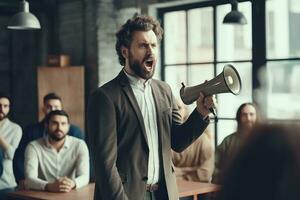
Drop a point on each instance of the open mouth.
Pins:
(149, 62)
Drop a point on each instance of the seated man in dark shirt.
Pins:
(32, 132)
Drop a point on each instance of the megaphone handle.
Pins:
(212, 110)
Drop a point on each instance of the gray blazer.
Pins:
(118, 140)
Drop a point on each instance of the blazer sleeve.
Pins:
(185, 134)
(102, 134)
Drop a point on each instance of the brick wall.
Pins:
(109, 20)
(83, 29)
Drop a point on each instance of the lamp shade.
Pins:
(24, 20)
(234, 16)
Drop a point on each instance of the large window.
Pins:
(196, 47)
(283, 59)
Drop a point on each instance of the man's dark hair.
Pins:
(5, 95)
(56, 112)
(51, 96)
(137, 23)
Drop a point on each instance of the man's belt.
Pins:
(152, 187)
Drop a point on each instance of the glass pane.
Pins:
(229, 103)
(200, 35)
(225, 128)
(234, 41)
(197, 74)
(174, 76)
(283, 36)
(283, 91)
(175, 37)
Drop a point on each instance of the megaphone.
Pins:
(228, 81)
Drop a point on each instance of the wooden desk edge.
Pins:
(37, 194)
(196, 188)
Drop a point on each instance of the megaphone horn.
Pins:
(228, 81)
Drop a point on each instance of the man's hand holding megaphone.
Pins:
(205, 104)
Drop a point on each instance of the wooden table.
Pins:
(85, 193)
(186, 188)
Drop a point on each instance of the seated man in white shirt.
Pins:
(56, 162)
(10, 136)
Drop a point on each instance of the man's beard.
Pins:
(246, 126)
(2, 116)
(139, 69)
(56, 138)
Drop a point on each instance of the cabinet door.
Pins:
(68, 83)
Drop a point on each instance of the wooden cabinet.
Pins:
(68, 83)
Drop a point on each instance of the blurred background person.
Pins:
(10, 136)
(246, 118)
(195, 163)
(267, 166)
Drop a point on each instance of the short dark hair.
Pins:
(56, 112)
(137, 23)
(51, 96)
(5, 95)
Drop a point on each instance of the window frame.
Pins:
(186, 8)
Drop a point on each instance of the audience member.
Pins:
(196, 163)
(246, 118)
(56, 162)
(267, 166)
(32, 132)
(10, 136)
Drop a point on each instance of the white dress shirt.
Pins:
(43, 164)
(143, 94)
(12, 133)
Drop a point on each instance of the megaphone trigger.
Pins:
(212, 110)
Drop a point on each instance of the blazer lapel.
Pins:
(129, 93)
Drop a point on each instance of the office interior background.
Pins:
(195, 48)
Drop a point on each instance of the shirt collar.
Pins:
(66, 143)
(137, 81)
